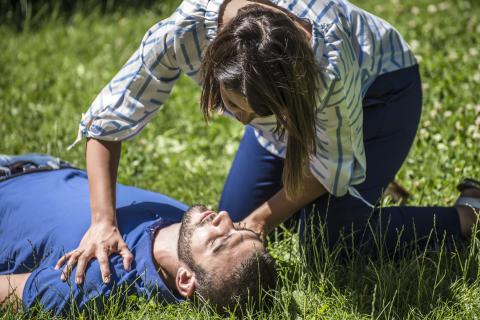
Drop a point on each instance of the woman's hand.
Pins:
(255, 224)
(279, 207)
(100, 241)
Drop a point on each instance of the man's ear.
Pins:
(186, 281)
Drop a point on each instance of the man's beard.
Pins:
(185, 236)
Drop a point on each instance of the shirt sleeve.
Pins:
(124, 106)
(340, 159)
(45, 288)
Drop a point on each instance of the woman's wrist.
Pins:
(256, 225)
(279, 208)
(104, 218)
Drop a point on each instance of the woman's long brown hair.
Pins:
(264, 56)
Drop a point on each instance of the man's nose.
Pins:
(220, 219)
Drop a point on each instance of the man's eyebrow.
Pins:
(222, 245)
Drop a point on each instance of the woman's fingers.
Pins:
(99, 242)
(62, 260)
(102, 257)
(81, 267)
(127, 257)
(81, 260)
(72, 260)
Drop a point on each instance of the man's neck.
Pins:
(165, 255)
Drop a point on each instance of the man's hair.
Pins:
(249, 286)
(262, 55)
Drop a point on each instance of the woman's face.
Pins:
(237, 105)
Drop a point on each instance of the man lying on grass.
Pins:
(178, 253)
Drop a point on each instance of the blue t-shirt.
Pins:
(43, 215)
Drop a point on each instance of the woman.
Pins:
(336, 84)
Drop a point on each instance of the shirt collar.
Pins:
(154, 283)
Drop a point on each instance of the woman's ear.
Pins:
(186, 281)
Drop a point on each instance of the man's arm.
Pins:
(11, 288)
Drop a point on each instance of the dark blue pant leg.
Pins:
(392, 109)
(255, 176)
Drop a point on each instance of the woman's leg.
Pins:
(255, 176)
(392, 109)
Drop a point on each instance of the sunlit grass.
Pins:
(50, 74)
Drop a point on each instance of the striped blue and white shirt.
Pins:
(352, 46)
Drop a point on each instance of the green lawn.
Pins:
(50, 74)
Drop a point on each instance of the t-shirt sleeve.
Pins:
(126, 104)
(44, 287)
(340, 158)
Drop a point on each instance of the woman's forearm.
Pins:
(279, 207)
(103, 238)
(102, 165)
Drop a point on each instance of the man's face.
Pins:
(211, 241)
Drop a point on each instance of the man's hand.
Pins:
(100, 241)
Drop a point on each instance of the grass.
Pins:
(51, 73)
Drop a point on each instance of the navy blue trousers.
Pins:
(391, 111)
